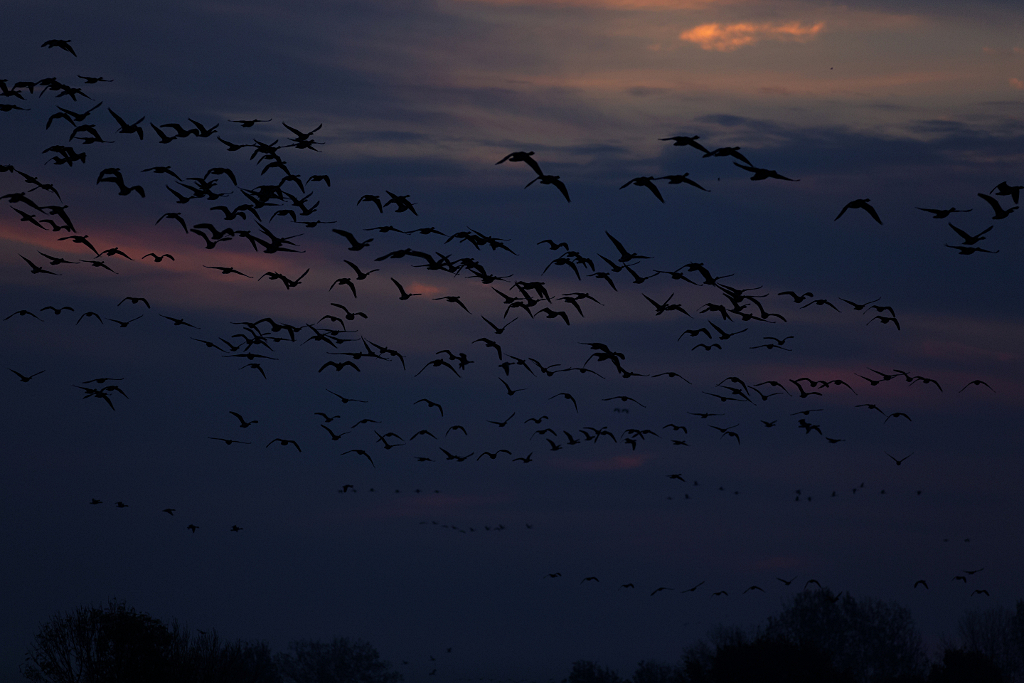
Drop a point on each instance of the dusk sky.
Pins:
(908, 469)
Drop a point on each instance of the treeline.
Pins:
(117, 644)
(821, 637)
(818, 637)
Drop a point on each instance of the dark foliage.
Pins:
(868, 640)
(339, 661)
(959, 666)
(588, 672)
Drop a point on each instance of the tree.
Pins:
(116, 644)
(995, 633)
(654, 672)
(868, 639)
(339, 661)
(584, 671)
(113, 644)
(960, 666)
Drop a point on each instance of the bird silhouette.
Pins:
(861, 204)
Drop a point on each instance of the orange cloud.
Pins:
(616, 4)
(1017, 83)
(733, 36)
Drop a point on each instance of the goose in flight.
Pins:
(728, 152)
(648, 182)
(942, 213)
(686, 141)
(551, 180)
(402, 295)
(525, 157)
(1005, 190)
(62, 44)
(763, 173)
(860, 204)
(679, 179)
(998, 211)
(26, 378)
(968, 238)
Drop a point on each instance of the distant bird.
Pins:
(686, 141)
(861, 204)
(943, 213)
(569, 397)
(402, 295)
(26, 378)
(1005, 190)
(684, 178)
(728, 152)
(525, 157)
(648, 182)
(977, 382)
(37, 270)
(551, 180)
(763, 173)
(243, 423)
(62, 44)
(372, 198)
(998, 211)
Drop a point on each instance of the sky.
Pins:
(916, 108)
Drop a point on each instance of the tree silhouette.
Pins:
(117, 644)
(113, 643)
(998, 635)
(959, 666)
(867, 639)
(655, 672)
(339, 661)
(766, 659)
(584, 671)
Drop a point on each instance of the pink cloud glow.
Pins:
(733, 36)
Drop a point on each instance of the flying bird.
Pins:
(861, 204)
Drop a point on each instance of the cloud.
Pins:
(1017, 83)
(732, 36)
(615, 4)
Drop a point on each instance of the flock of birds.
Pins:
(554, 397)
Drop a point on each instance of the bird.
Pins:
(568, 397)
(525, 157)
(26, 378)
(763, 173)
(861, 204)
(648, 182)
(61, 44)
(727, 152)
(684, 178)
(898, 461)
(509, 390)
(999, 213)
(1004, 189)
(686, 141)
(37, 270)
(402, 295)
(976, 383)
(551, 180)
